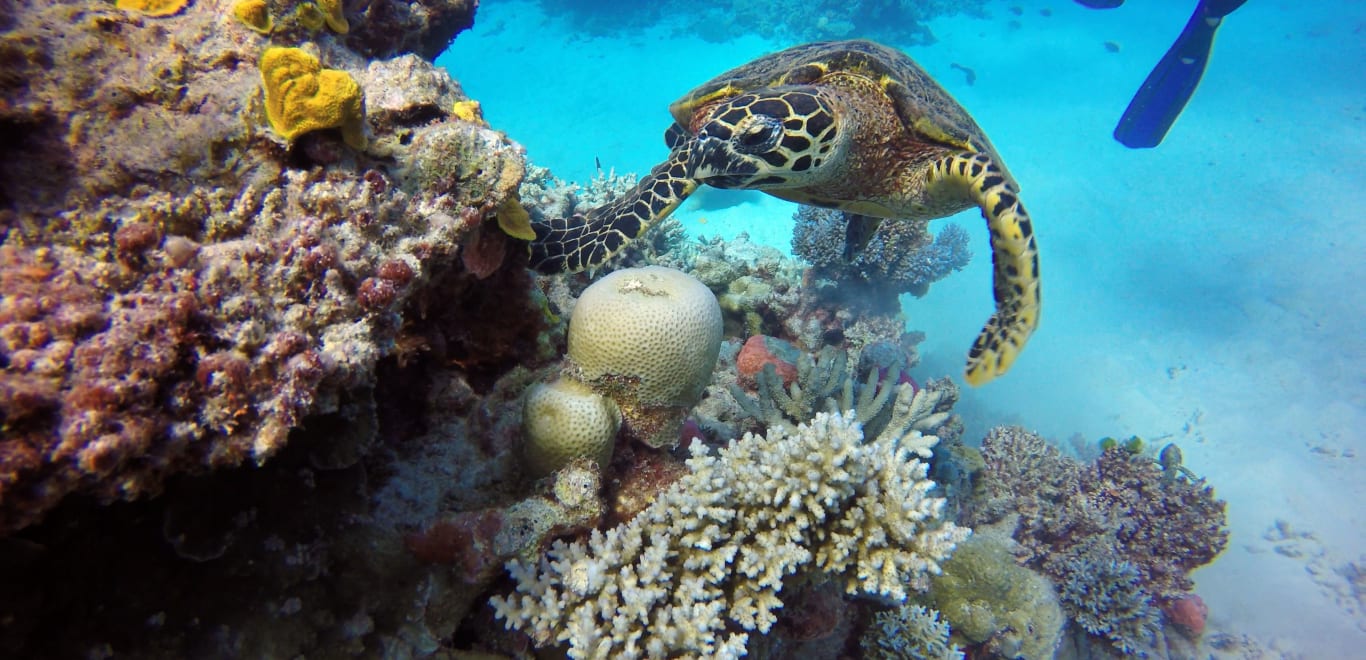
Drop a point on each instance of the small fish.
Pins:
(597, 163)
(967, 73)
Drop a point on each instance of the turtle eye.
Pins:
(758, 134)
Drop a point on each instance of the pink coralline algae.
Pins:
(760, 350)
(1188, 612)
(182, 288)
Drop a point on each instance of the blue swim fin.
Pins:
(1164, 94)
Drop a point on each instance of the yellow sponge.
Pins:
(153, 7)
(301, 96)
(565, 420)
(332, 13)
(255, 14)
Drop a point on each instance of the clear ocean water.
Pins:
(1210, 292)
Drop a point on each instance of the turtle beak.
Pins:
(702, 158)
(713, 162)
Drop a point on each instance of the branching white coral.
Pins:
(716, 547)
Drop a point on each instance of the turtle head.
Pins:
(780, 138)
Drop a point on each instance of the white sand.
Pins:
(1208, 292)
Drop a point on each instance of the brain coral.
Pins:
(565, 420)
(649, 338)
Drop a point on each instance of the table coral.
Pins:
(301, 96)
(707, 560)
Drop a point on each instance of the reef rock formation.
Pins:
(193, 259)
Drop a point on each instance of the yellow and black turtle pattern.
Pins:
(586, 240)
(849, 125)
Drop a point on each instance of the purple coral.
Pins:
(901, 253)
(1164, 527)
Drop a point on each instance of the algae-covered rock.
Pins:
(989, 599)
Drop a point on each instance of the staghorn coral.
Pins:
(713, 551)
(825, 384)
(910, 632)
(900, 255)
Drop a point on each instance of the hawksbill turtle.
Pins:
(849, 125)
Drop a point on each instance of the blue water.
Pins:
(1210, 292)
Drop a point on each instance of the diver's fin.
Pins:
(1164, 94)
(587, 240)
(1014, 260)
(858, 230)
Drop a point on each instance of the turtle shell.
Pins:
(928, 112)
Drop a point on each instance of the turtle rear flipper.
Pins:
(1014, 260)
(583, 241)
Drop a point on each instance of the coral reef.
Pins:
(647, 338)
(1104, 597)
(1120, 536)
(301, 96)
(478, 542)
(994, 604)
(825, 383)
(714, 550)
(910, 632)
(180, 291)
(900, 255)
(565, 420)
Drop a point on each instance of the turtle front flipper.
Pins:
(1014, 260)
(583, 241)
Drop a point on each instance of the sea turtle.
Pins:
(850, 125)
